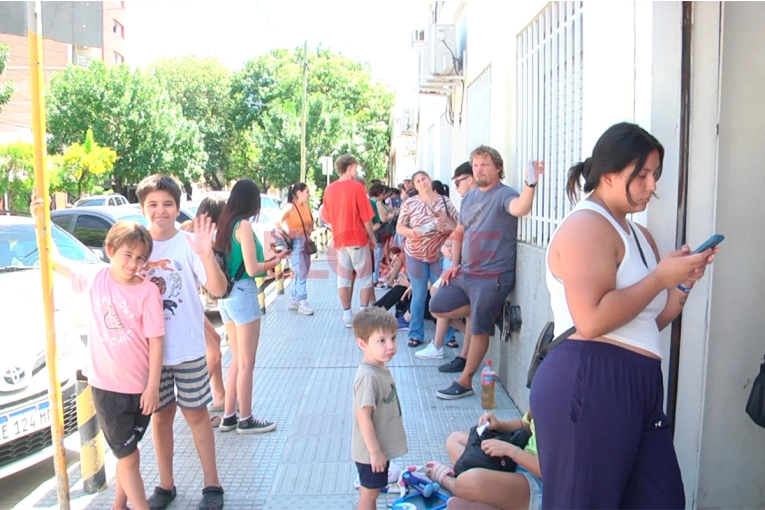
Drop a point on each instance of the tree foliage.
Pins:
(82, 167)
(6, 89)
(129, 111)
(201, 87)
(17, 174)
(348, 112)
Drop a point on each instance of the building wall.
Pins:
(736, 322)
(16, 116)
(114, 37)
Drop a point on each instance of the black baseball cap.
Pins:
(464, 169)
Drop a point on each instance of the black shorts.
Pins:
(120, 417)
(371, 480)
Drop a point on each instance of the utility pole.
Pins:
(42, 222)
(305, 108)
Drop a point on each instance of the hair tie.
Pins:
(586, 167)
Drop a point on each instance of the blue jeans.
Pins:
(420, 273)
(298, 289)
(378, 259)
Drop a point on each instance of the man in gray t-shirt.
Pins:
(483, 258)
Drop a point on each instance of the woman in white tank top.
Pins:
(604, 440)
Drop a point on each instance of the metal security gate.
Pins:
(549, 119)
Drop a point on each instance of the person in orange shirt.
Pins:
(347, 209)
(297, 221)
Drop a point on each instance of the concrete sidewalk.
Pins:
(304, 381)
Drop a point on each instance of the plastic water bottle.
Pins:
(488, 377)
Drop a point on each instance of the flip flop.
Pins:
(453, 344)
(161, 498)
(215, 420)
(437, 471)
(414, 342)
(212, 498)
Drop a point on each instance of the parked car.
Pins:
(102, 200)
(25, 436)
(91, 224)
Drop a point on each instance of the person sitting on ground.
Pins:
(378, 427)
(212, 206)
(480, 488)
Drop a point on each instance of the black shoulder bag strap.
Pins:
(552, 345)
(637, 240)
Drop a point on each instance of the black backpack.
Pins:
(220, 258)
(545, 344)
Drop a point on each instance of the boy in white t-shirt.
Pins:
(178, 264)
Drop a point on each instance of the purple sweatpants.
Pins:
(602, 435)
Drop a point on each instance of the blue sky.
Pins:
(375, 32)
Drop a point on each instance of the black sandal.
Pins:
(212, 498)
(453, 344)
(414, 342)
(161, 498)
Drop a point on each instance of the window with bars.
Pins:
(479, 111)
(549, 111)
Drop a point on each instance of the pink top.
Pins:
(121, 320)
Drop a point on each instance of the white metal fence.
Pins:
(549, 113)
(479, 111)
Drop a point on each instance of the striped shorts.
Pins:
(187, 382)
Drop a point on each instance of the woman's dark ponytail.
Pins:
(293, 191)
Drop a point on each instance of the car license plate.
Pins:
(24, 421)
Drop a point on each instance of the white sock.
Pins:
(245, 418)
(347, 313)
(227, 416)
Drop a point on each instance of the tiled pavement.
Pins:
(304, 381)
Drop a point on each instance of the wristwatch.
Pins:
(530, 185)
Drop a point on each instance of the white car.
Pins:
(101, 200)
(25, 436)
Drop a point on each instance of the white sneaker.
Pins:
(304, 308)
(430, 352)
(348, 321)
(294, 304)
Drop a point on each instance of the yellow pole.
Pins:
(279, 272)
(261, 283)
(36, 76)
(91, 438)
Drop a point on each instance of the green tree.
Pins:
(129, 111)
(347, 112)
(201, 86)
(17, 174)
(82, 167)
(6, 89)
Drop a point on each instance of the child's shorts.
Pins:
(121, 419)
(187, 383)
(371, 480)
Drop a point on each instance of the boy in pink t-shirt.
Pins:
(125, 335)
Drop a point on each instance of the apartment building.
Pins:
(106, 27)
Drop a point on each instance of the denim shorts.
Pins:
(241, 306)
(535, 488)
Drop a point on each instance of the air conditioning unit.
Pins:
(439, 56)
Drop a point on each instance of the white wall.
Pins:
(732, 462)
